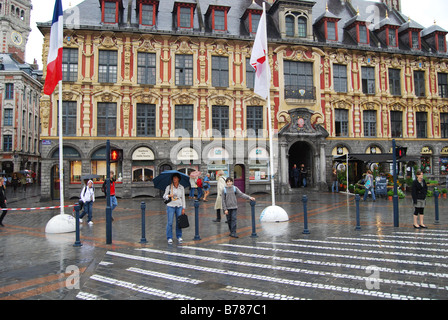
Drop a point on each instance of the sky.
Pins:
(43, 12)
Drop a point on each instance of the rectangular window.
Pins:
(146, 68)
(69, 118)
(8, 117)
(184, 118)
(7, 143)
(396, 124)
(70, 64)
(340, 78)
(444, 125)
(415, 40)
(422, 124)
(441, 43)
(443, 85)
(254, 121)
(185, 17)
(184, 69)
(255, 20)
(107, 66)
(9, 91)
(363, 34)
(299, 80)
(220, 72)
(331, 30)
(219, 19)
(250, 74)
(146, 120)
(341, 122)
(220, 119)
(107, 119)
(368, 80)
(392, 38)
(419, 83)
(147, 14)
(110, 12)
(395, 82)
(369, 119)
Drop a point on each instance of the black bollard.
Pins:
(254, 231)
(436, 203)
(358, 222)
(305, 215)
(143, 207)
(77, 241)
(196, 220)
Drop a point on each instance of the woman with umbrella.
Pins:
(174, 197)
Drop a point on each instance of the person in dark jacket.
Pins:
(419, 190)
(2, 199)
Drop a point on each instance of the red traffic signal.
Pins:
(116, 155)
(400, 152)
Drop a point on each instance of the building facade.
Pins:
(170, 83)
(20, 92)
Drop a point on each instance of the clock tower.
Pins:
(15, 26)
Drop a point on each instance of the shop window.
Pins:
(98, 166)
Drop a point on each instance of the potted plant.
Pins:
(444, 192)
(390, 194)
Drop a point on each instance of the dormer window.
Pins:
(147, 12)
(363, 34)
(217, 17)
(331, 31)
(441, 43)
(327, 25)
(296, 25)
(392, 37)
(415, 39)
(183, 15)
(110, 10)
(254, 20)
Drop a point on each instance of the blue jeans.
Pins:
(367, 192)
(87, 210)
(171, 212)
(113, 202)
(199, 193)
(335, 184)
(192, 192)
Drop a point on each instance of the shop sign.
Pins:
(143, 153)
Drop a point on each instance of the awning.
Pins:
(373, 158)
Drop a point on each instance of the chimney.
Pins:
(393, 4)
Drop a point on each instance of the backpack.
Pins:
(368, 184)
(103, 187)
(199, 183)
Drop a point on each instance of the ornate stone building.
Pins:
(170, 83)
(20, 90)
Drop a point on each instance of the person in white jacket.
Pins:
(88, 197)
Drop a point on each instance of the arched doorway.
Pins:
(55, 189)
(239, 177)
(301, 153)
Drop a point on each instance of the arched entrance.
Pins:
(301, 153)
(55, 190)
(239, 177)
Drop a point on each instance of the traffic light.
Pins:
(400, 152)
(116, 155)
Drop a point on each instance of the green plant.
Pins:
(390, 193)
(444, 190)
(429, 194)
(401, 194)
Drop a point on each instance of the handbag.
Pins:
(182, 221)
(81, 204)
(169, 199)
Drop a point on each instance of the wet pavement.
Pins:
(279, 262)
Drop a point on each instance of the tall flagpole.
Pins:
(61, 152)
(268, 103)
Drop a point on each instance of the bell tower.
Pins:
(15, 26)
(393, 4)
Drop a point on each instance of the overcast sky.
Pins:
(43, 11)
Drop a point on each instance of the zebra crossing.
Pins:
(397, 265)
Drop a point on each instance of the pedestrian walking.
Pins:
(368, 184)
(3, 200)
(199, 185)
(303, 173)
(295, 176)
(15, 182)
(219, 188)
(88, 198)
(174, 197)
(113, 198)
(419, 191)
(206, 186)
(193, 186)
(229, 204)
(23, 183)
(334, 181)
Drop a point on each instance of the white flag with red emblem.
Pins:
(260, 61)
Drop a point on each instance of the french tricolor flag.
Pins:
(54, 61)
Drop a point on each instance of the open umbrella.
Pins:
(195, 174)
(164, 179)
(90, 176)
